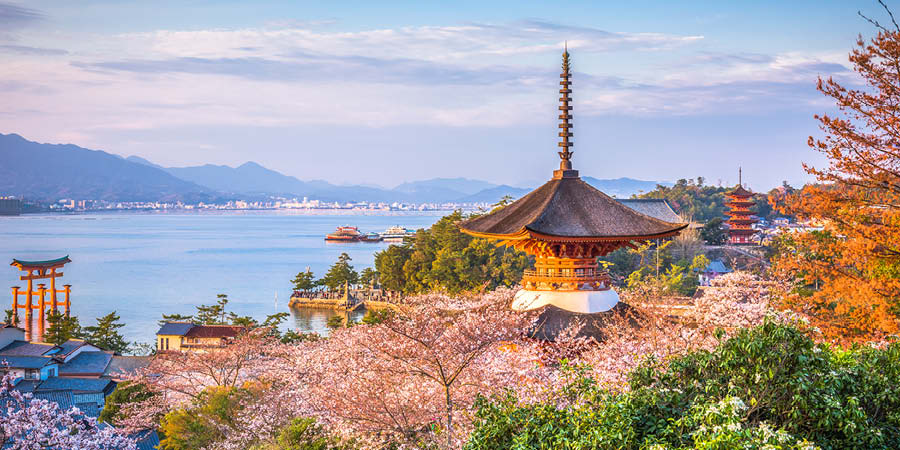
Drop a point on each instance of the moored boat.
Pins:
(344, 234)
(397, 234)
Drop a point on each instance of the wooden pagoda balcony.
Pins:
(576, 277)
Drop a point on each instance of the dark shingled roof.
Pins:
(174, 329)
(740, 192)
(214, 331)
(47, 263)
(569, 207)
(126, 365)
(23, 348)
(654, 207)
(89, 409)
(71, 345)
(86, 363)
(25, 362)
(76, 384)
(65, 399)
(553, 320)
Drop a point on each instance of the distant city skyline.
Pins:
(383, 92)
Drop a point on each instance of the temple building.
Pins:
(740, 215)
(567, 224)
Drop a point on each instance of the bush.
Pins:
(765, 387)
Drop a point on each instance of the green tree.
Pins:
(340, 273)
(304, 281)
(106, 334)
(445, 259)
(335, 322)
(204, 421)
(713, 233)
(61, 328)
(368, 277)
(175, 318)
(126, 392)
(303, 433)
(212, 314)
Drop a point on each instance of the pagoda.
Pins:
(567, 224)
(740, 216)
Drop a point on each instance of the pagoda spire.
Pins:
(740, 182)
(565, 127)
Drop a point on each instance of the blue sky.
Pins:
(386, 92)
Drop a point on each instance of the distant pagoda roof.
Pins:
(566, 209)
(22, 265)
(739, 191)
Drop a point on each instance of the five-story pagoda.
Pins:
(740, 217)
(567, 224)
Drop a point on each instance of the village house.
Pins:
(714, 269)
(188, 336)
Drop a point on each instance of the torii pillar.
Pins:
(39, 270)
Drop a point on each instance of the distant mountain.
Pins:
(443, 189)
(494, 194)
(139, 160)
(248, 178)
(52, 171)
(623, 187)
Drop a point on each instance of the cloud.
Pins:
(25, 50)
(14, 16)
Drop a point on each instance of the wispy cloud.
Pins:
(14, 16)
(26, 50)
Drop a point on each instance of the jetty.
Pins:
(345, 299)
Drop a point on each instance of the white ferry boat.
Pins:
(397, 234)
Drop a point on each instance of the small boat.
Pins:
(344, 234)
(371, 237)
(397, 234)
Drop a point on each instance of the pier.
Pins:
(345, 300)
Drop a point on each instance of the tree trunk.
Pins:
(449, 418)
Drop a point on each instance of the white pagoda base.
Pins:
(576, 301)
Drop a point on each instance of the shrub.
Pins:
(765, 387)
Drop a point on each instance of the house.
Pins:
(712, 270)
(41, 360)
(188, 336)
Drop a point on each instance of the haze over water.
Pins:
(145, 264)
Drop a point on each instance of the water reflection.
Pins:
(315, 319)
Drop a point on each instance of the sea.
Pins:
(145, 264)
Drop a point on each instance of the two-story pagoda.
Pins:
(567, 224)
(740, 215)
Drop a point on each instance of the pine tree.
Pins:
(341, 272)
(166, 318)
(61, 328)
(106, 334)
(304, 281)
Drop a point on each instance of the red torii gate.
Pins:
(39, 270)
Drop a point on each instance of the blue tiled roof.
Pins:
(25, 362)
(89, 409)
(27, 385)
(146, 440)
(76, 384)
(175, 329)
(22, 348)
(86, 363)
(717, 266)
(125, 365)
(64, 399)
(71, 345)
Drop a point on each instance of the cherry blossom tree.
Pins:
(27, 423)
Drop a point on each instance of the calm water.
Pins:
(145, 264)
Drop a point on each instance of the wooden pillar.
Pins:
(68, 288)
(28, 307)
(53, 288)
(15, 305)
(42, 320)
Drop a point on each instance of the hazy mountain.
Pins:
(139, 160)
(494, 194)
(623, 187)
(53, 171)
(248, 178)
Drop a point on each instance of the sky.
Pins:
(363, 92)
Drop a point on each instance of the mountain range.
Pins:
(50, 172)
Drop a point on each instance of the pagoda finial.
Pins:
(565, 126)
(740, 182)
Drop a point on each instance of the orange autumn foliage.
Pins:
(852, 269)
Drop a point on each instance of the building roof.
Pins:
(716, 266)
(26, 362)
(567, 207)
(40, 264)
(89, 409)
(27, 385)
(76, 384)
(24, 348)
(64, 399)
(71, 345)
(86, 363)
(174, 329)
(214, 331)
(658, 208)
(739, 191)
(125, 365)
